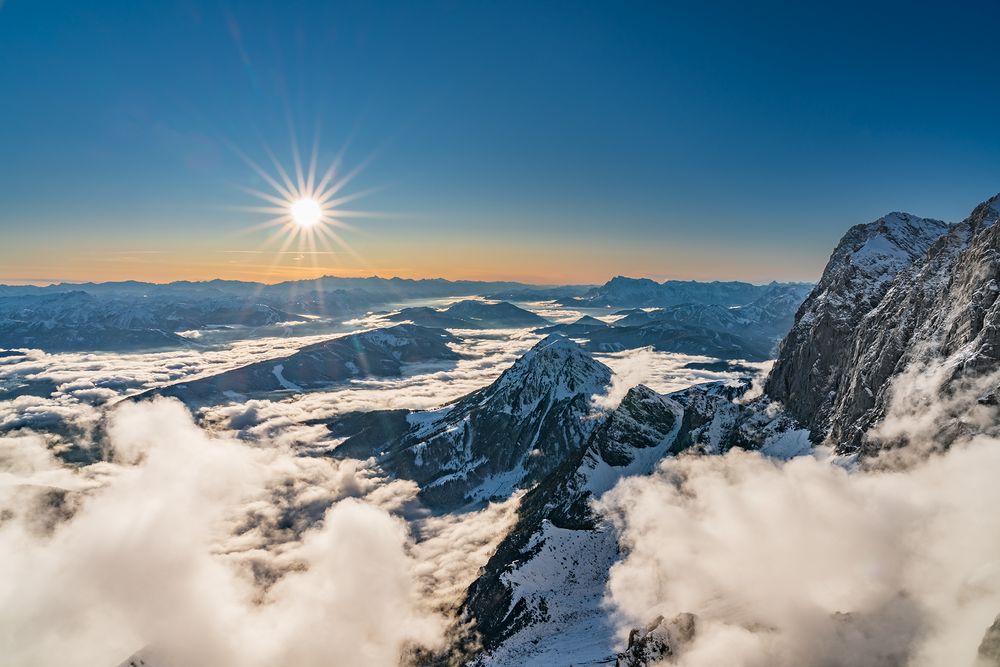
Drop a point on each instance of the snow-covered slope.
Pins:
(547, 577)
(500, 438)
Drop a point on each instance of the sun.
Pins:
(306, 207)
(305, 212)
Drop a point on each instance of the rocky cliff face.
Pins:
(659, 642)
(899, 292)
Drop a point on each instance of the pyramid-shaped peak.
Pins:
(591, 321)
(556, 366)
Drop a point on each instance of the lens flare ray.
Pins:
(304, 204)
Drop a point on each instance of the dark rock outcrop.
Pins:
(897, 293)
(659, 642)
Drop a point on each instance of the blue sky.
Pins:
(556, 142)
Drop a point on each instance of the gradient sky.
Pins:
(545, 142)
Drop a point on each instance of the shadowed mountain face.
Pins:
(622, 292)
(899, 293)
(472, 314)
(500, 438)
(375, 353)
(749, 331)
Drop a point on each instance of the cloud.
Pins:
(67, 389)
(33, 412)
(930, 405)
(661, 371)
(552, 310)
(140, 370)
(453, 547)
(204, 549)
(803, 562)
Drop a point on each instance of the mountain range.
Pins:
(126, 316)
(748, 331)
(899, 295)
(135, 316)
(623, 292)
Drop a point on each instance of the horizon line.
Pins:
(46, 282)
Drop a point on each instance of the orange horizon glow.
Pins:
(484, 262)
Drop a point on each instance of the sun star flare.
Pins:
(306, 207)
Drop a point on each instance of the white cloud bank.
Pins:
(806, 563)
(165, 545)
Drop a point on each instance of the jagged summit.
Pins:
(989, 209)
(855, 280)
(882, 248)
(506, 436)
(898, 291)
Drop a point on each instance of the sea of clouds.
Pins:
(222, 536)
(201, 542)
(201, 549)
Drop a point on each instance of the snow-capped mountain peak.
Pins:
(881, 249)
(506, 436)
(555, 367)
